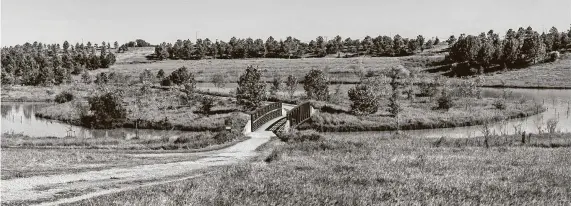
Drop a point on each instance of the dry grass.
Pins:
(339, 68)
(135, 55)
(19, 163)
(187, 141)
(420, 114)
(161, 110)
(547, 75)
(346, 169)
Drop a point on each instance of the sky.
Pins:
(54, 21)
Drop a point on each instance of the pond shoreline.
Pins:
(525, 87)
(409, 127)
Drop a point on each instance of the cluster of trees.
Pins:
(41, 64)
(476, 54)
(291, 47)
(136, 43)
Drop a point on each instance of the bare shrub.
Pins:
(487, 133)
(552, 125)
(500, 104)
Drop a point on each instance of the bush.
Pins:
(364, 100)
(300, 136)
(108, 111)
(251, 89)
(182, 76)
(428, 89)
(64, 97)
(161, 74)
(445, 101)
(553, 56)
(499, 104)
(166, 82)
(315, 85)
(225, 136)
(101, 78)
(206, 104)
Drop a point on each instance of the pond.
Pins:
(557, 103)
(19, 118)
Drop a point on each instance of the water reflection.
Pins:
(557, 103)
(19, 118)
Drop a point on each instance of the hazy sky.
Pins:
(53, 21)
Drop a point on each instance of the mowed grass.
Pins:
(341, 69)
(135, 55)
(19, 163)
(348, 169)
(547, 75)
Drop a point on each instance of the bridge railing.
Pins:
(299, 114)
(265, 114)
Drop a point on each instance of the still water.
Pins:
(557, 103)
(19, 118)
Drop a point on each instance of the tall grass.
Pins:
(346, 169)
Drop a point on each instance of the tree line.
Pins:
(487, 51)
(237, 48)
(45, 64)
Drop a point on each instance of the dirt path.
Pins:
(67, 188)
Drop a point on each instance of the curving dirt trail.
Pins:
(66, 188)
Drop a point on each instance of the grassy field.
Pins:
(420, 114)
(546, 75)
(186, 141)
(160, 110)
(19, 163)
(346, 169)
(340, 69)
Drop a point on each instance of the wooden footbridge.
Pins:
(282, 117)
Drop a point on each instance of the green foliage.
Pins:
(86, 77)
(219, 80)
(63, 97)
(7, 78)
(520, 48)
(251, 90)
(445, 100)
(161, 52)
(108, 111)
(161, 74)
(276, 85)
(61, 75)
(166, 82)
(182, 76)
(553, 56)
(206, 104)
(291, 85)
(395, 106)
(316, 85)
(42, 64)
(101, 78)
(451, 40)
(500, 104)
(364, 100)
(146, 77)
